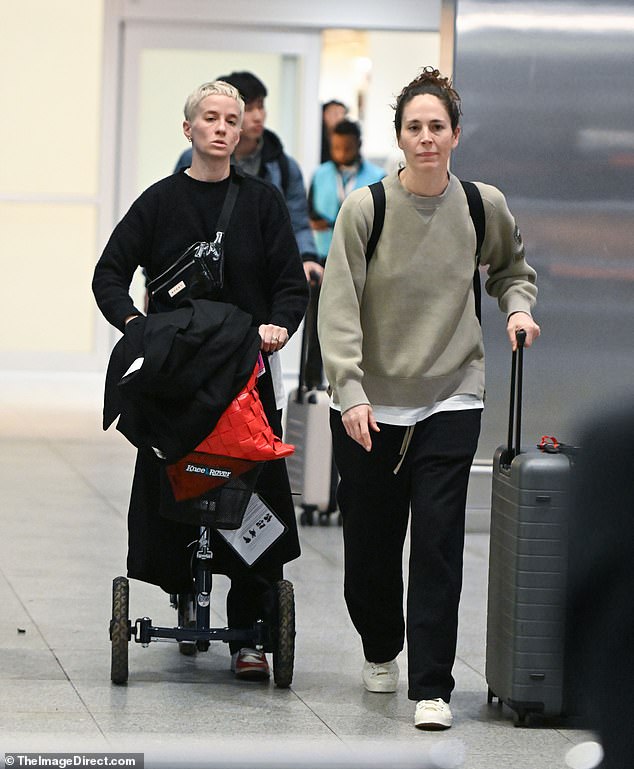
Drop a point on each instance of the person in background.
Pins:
(263, 277)
(404, 357)
(260, 152)
(335, 179)
(332, 112)
(331, 183)
(600, 631)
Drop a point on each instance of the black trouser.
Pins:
(252, 596)
(375, 505)
(253, 591)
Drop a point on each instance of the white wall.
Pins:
(388, 76)
(50, 96)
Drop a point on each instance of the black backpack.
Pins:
(476, 212)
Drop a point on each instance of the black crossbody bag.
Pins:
(199, 272)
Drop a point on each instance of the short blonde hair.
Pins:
(215, 88)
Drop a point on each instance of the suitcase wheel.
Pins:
(521, 717)
(306, 518)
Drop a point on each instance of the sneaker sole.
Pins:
(430, 726)
(380, 689)
(253, 676)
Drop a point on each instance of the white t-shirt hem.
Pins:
(403, 416)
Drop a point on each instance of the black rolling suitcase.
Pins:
(526, 614)
(311, 469)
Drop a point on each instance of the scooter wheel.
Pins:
(284, 649)
(119, 630)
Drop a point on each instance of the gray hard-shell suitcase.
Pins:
(311, 468)
(526, 614)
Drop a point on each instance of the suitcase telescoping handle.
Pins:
(300, 392)
(303, 355)
(515, 407)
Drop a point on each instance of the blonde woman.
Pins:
(263, 276)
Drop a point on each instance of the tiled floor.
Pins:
(64, 486)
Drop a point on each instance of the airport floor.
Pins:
(64, 489)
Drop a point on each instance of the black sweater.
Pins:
(263, 269)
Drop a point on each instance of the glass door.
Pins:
(162, 64)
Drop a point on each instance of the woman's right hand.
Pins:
(358, 422)
(273, 337)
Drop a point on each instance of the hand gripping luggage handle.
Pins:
(515, 406)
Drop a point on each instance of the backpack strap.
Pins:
(476, 212)
(378, 196)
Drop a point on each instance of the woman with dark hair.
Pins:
(403, 353)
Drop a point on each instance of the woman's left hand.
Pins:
(273, 337)
(522, 321)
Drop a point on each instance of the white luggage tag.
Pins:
(260, 529)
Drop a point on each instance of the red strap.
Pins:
(548, 443)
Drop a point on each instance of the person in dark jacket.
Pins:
(260, 153)
(263, 277)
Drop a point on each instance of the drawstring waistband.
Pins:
(407, 439)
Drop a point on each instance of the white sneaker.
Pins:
(585, 755)
(380, 676)
(433, 715)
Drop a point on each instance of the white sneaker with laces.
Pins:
(380, 676)
(433, 715)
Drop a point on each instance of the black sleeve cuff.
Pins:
(308, 257)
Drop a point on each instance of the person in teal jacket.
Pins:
(335, 179)
(331, 183)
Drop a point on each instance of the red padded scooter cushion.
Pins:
(241, 438)
(198, 472)
(243, 431)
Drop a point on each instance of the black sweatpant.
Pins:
(375, 505)
(252, 595)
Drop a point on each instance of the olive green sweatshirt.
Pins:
(406, 333)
